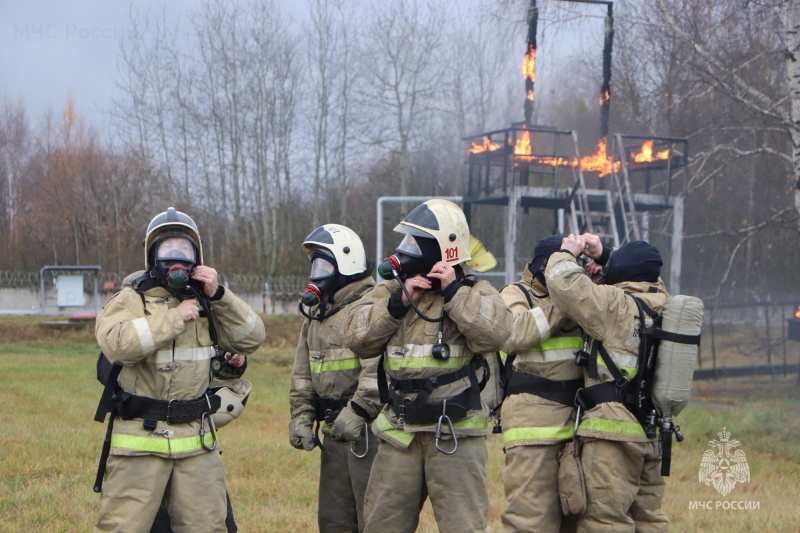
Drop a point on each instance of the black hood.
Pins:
(543, 250)
(634, 261)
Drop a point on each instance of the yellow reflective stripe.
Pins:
(318, 367)
(541, 433)
(383, 425)
(394, 363)
(611, 426)
(548, 356)
(160, 444)
(559, 343)
(627, 371)
(503, 356)
(472, 422)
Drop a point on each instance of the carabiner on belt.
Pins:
(366, 443)
(211, 427)
(452, 431)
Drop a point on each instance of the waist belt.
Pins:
(171, 411)
(455, 408)
(327, 409)
(561, 391)
(418, 410)
(603, 393)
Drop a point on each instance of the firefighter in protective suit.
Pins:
(330, 385)
(538, 415)
(431, 324)
(163, 443)
(621, 465)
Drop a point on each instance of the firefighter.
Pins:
(163, 327)
(621, 464)
(538, 412)
(330, 385)
(431, 325)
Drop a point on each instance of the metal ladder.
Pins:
(610, 208)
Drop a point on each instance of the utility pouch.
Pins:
(571, 488)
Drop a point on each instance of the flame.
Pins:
(523, 145)
(530, 96)
(646, 155)
(487, 145)
(604, 97)
(797, 312)
(599, 161)
(528, 65)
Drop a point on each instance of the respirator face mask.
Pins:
(323, 280)
(408, 261)
(175, 259)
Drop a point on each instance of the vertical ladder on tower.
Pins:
(592, 212)
(624, 206)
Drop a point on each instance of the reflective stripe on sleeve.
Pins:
(541, 321)
(145, 335)
(627, 364)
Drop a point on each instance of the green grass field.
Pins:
(50, 444)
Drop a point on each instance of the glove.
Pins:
(348, 426)
(301, 433)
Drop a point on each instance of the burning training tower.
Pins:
(527, 166)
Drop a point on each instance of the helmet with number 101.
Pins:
(443, 221)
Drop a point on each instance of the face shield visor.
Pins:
(175, 258)
(321, 268)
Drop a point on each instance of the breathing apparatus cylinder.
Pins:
(672, 385)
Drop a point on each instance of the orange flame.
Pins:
(486, 146)
(599, 161)
(604, 96)
(528, 65)
(797, 312)
(523, 145)
(646, 155)
(530, 96)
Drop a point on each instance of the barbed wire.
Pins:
(236, 282)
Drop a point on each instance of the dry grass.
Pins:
(50, 444)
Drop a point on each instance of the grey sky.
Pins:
(50, 48)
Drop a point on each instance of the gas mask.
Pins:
(175, 259)
(415, 255)
(324, 280)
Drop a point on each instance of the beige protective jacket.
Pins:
(544, 340)
(608, 315)
(325, 368)
(167, 359)
(477, 322)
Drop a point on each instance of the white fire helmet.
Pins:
(444, 221)
(342, 243)
(233, 393)
(171, 223)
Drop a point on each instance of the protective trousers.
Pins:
(402, 479)
(194, 489)
(624, 487)
(530, 476)
(343, 481)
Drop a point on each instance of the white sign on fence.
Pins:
(70, 291)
